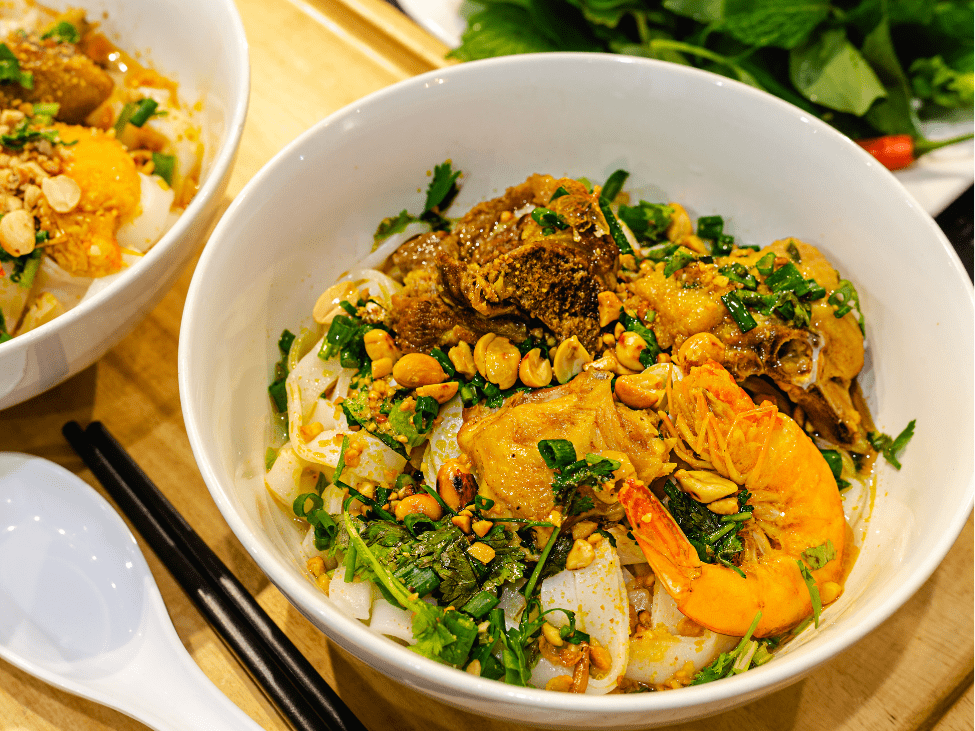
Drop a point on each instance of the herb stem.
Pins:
(530, 586)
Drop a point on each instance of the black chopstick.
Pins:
(289, 680)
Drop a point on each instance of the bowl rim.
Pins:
(215, 178)
(747, 686)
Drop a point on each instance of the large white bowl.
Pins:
(202, 46)
(712, 144)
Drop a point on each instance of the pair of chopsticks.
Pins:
(300, 693)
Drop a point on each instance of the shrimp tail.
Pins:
(671, 556)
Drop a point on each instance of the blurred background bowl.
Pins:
(202, 46)
(711, 144)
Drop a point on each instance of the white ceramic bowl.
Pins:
(202, 46)
(712, 144)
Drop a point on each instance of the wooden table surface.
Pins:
(309, 59)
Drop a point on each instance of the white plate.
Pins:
(935, 180)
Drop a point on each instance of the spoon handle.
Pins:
(166, 689)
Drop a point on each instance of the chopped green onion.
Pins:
(615, 230)
(144, 109)
(613, 186)
(425, 413)
(785, 277)
(766, 264)
(63, 32)
(529, 587)
(480, 604)
(557, 453)
(444, 360)
(738, 312)
(422, 581)
(710, 227)
(559, 192)
(164, 166)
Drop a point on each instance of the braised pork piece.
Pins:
(500, 271)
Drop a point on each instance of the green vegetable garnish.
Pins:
(10, 69)
(277, 388)
(738, 312)
(890, 448)
(63, 32)
(164, 166)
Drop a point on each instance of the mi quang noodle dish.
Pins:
(99, 157)
(578, 442)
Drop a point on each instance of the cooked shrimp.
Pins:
(796, 507)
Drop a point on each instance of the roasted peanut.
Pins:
(583, 529)
(482, 552)
(463, 359)
(698, 349)
(580, 555)
(421, 503)
(569, 359)
(418, 369)
(644, 390)
(474, 667)
(725, 506)
(440, 392)
(703, 486)
(17, 232)
(482, 527)
(379, 344)
(480, 353)
(534, 370)
(381, 368)
(599, 656)
(455, 484)
(62, 193)
(609, 308)
(628, 348)
(559, 684)
(501, 362)
(462, 521)
(551, 634)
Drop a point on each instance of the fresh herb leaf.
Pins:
(10, 69)
(818, 556)
(442, 188)
(63, 32)
(891, 448)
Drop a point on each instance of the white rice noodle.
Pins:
(284, 479)
(377, 258)
(381, 287)
(154, 219)
(597, 595)
(627, 548)
(352, 598)
(391, 621)
(655, 656)
(512, 603)
(100, 283)
(442, 442)
(13, 300)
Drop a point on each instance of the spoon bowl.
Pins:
(80, 610)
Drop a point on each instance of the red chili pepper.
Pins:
(898, 151)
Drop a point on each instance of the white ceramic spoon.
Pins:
(80, 610)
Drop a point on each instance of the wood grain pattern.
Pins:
(309, 59)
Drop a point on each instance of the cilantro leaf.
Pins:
(890, 448)
(446, 635)
(443, 186)
(818, 556)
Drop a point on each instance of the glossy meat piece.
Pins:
(502, 444)
(815, 367)
(61, 75)
(499, 265)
